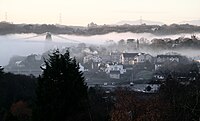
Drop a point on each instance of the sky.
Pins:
(82, 12)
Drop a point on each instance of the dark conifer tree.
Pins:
(1, 71)
(61, 92)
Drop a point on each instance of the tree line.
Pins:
(9, 28)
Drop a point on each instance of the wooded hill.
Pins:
(9, 28)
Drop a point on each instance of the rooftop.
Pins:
(128, 55)
(165, 56)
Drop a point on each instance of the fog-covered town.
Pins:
(142, 65)
(135, 63)
(99, 60)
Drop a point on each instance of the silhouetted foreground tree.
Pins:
(182, 98)
(177, 99)
(61, 92)
(1, 71)
(14, 88)
(132, 106)
(21, 111)
(101, 103)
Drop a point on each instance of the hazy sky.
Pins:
(82, 12)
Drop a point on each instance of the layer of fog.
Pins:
(16, 44)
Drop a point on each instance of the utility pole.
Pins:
(60, 18)
(6, 16)
(141, 20)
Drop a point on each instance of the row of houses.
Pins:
(121, 63)
(114, 64)
(134, 58)
(124, 58)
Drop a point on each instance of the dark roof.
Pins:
(114, 72)
(130, 55)
(169, 56)
(169, 62)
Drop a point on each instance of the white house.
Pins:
(19, 64)
(114, 67)
(164, 58)
(92, 58)
(81, 68)
(161, 59)
(87, 51)
(133, 58)
(141, 58)
(38, 57)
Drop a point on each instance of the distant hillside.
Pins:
(9, 28)
(192, 22)
(138, 22)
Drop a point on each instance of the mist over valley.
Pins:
(23, 45)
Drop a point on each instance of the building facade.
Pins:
(134, 58)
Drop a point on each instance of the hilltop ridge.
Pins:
(94, 29)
